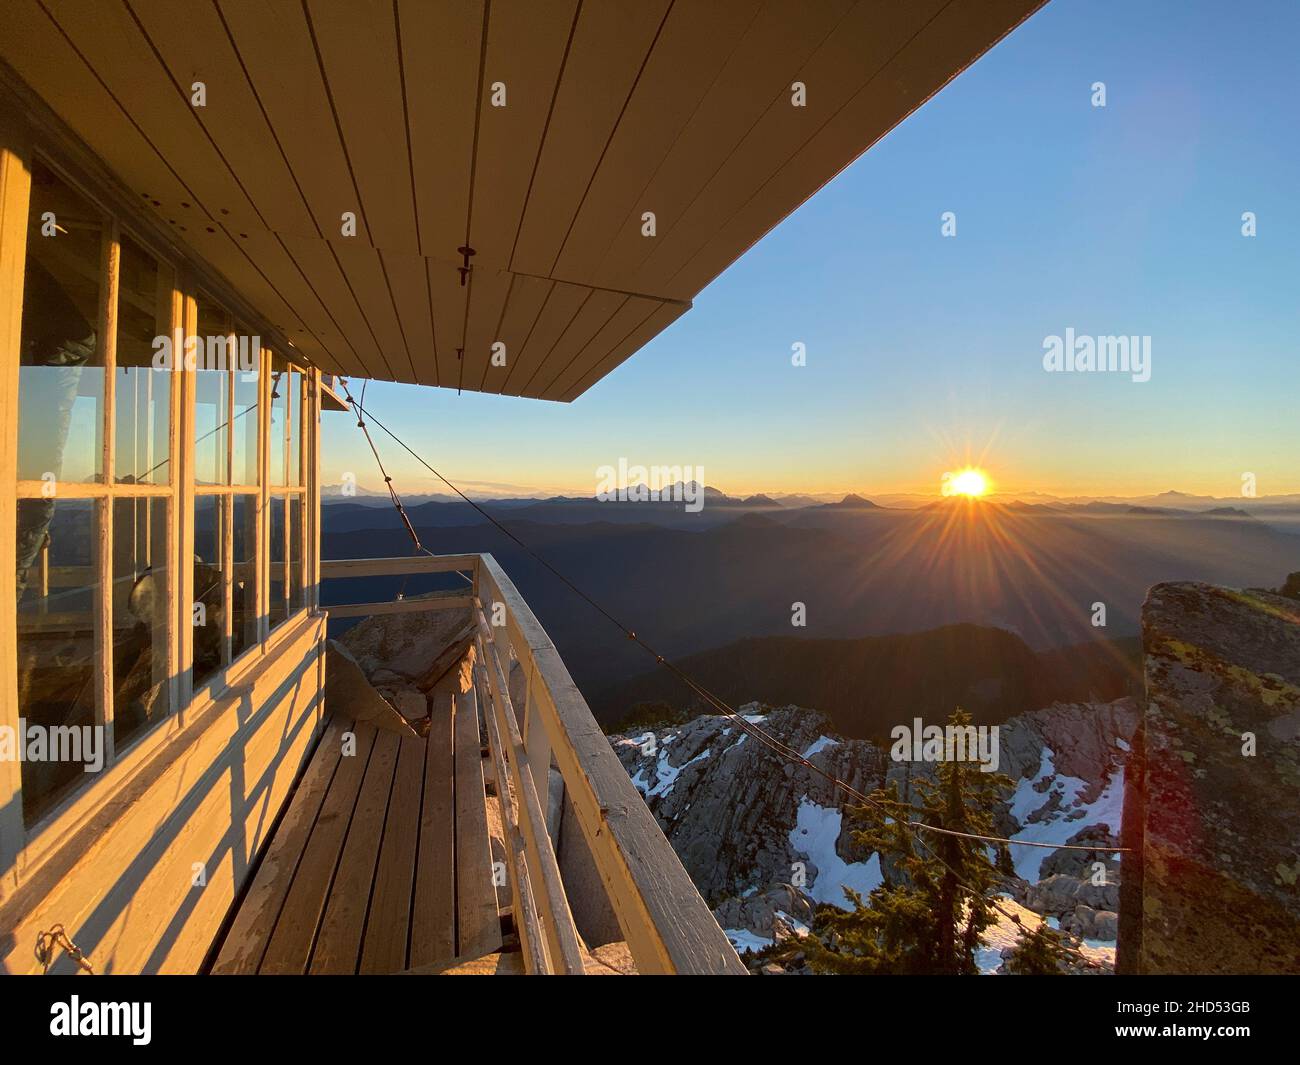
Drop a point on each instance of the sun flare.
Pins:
(969, 482)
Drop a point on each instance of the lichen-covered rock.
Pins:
(1217, 836)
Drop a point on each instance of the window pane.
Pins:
(56, 636)
(297, 597)
(208, 614)
(211, 396)
(295, 427)
(141, 640)
(245, 419)
(142, 394)
(61, 381)
(244, 593)
(279, 590)
(279, 408)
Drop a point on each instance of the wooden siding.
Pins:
(125, 883)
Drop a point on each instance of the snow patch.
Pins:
(665, 775)
(745, 940)
(815, 833)
(1058, 827)
(820, 744)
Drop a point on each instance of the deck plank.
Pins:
(245, 942)
(388, 925)
(433, 911)
(290, 946)
(477, 919)
(338, 946)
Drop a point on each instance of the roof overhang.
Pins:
(391, 112)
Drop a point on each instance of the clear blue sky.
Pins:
(925, 351)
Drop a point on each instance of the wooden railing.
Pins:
(667, 926)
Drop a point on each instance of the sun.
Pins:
(969, 482)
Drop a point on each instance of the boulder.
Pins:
(1060, 895)
(1212, 816)
(409, 648)
(411, 703)
(1089, 923)
(1080, 863)
(773, 914)
(349, 693)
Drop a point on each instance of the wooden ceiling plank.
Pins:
(196, 48)
(276, 45)
(848, 59)
(691, 51)
(594, 313)
(369, 281)
(117, 49)
(528, 295)
(960, 34)
(219, 249)
(447, 298)
(488, 292)
(358, 46)
(777, 44)
(525, 52)
(43, 58)
(411, 295)
(440, 60)
(659, 320)
(315, 260)
(626, 319)
(611, 44)
(562, 304)
(232, 261)
(268, 254)
(385, 107)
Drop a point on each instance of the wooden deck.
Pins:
(381, 862)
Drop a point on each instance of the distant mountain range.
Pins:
(1283, 510)
(688, 585)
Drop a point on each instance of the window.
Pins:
(288, 459)
(61, 382)
(93, 533)
(141, 633)
(142, 397)
(139, 584)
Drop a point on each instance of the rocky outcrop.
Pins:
(1212, 880)
(728, 804)
(766, 840)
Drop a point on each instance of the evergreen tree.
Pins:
(929, 914)
(1037, 953)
